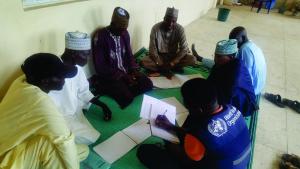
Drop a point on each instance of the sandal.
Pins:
(276, 99)
(295, 105)
(286, 165)
(291, 158)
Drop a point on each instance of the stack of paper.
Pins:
(176, 81)
(181, 111)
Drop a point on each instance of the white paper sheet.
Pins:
(161, 133)
(174, 102)
(115, 147)
(181, 111)
(138, 131)
(181, 117)
(176, 81)
(151, 108)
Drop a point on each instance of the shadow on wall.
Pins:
(9, 81)
(93, 18)
(90, 68)
(137, 36)
(92, 22)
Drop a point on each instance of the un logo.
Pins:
(217, 127)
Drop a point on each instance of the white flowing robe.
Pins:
(71, 100)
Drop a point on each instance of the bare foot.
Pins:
(194, 52)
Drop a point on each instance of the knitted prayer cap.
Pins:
(77, 41)
(226, 47)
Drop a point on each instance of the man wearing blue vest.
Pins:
(249, 54)
(213, 136)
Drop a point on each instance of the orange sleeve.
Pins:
(193, 147)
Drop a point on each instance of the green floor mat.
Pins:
(124, 118)
(94, 161)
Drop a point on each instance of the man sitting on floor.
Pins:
(168, 48)
(250, 55)
(33, 132)
(117, 72)
(213, 136)
(232, 79)
(75, 95)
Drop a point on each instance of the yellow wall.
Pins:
(23, 33)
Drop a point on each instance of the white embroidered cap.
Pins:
(78, 41)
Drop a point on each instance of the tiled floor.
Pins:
(278, 129)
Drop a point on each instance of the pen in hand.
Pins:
(165, 112)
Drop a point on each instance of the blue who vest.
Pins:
(226, 139)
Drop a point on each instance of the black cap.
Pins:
(45, 65)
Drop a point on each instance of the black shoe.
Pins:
(286, 165)
(291, 159)
(276, 99)
(295, 105)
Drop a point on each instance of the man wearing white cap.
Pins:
(75, 95)
(168, 48)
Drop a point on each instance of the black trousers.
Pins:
(156, 157)
(119, 90)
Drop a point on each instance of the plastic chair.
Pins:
(260, 4)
